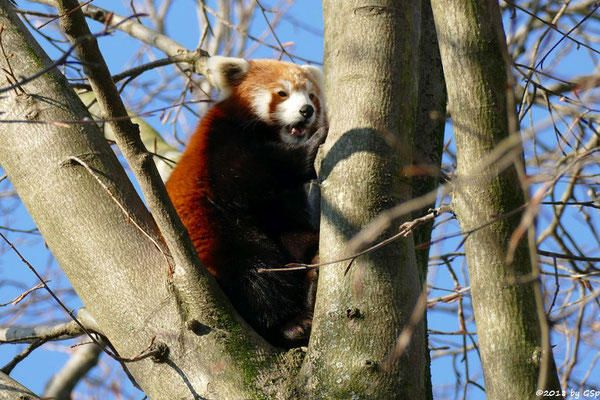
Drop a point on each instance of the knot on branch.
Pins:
(372, 365)
(370, 11)
(354, 313)
(197, 327)
(160, 352)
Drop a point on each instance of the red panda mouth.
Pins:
(297, 130)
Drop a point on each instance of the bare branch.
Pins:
(20, 297)
(83, 359)
(45, 333)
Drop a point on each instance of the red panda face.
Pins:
(283, 95)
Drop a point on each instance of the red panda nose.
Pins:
(307, 111)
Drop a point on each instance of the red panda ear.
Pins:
(225, 72)
(316, 74)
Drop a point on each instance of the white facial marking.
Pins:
(316, 73)
(286, 85)
(260, 103)
(309, 86)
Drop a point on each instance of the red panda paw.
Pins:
(317, 139)
(297, 331)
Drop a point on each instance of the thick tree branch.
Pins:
(186, 262)
(44, 333)
(11, 389)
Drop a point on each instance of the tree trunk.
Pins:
(371, 83)
(428, 145)
(431, 121)
(508, 319)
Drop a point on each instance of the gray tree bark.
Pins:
(508, 316)
(11, 390)
(428, 144)
(371, 53)
(431, 120)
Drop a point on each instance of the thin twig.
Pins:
(21, 356)
(405, 229)
(20, 297)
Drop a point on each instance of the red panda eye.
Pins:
(311, 96)
(281, 93)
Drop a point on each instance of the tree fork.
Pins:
(85, 206)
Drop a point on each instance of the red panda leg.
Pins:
(297, 331)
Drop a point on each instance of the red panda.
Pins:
(239, 189)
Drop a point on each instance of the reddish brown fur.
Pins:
(190, 191)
